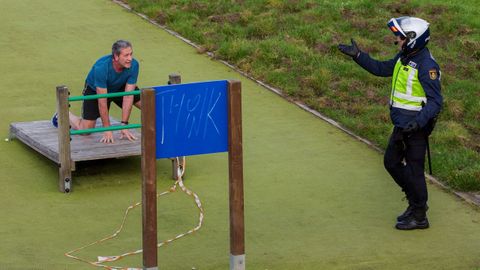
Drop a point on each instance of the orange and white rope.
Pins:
(102, 260)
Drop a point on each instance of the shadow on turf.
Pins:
(95, 173)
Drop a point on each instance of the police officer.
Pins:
(415, 102)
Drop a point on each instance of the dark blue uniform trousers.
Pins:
(405, 161)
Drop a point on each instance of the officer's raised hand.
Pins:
(350, 50)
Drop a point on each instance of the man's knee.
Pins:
(86, 124)
(138, 104)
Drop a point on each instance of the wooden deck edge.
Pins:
(26, 139)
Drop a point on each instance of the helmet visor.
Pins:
(395, 28)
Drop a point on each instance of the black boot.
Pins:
(406, 214)
(416, 220)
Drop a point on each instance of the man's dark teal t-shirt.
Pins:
(103, 75)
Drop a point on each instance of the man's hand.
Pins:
(126, 134)
(412, 126)
(350, 50)
(107, 137)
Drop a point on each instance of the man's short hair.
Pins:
(119, 45)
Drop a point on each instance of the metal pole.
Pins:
(429, 157)
(108, 95)
(101, 129)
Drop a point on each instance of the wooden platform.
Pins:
(59, 146)
(43, 137)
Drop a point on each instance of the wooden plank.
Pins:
(43, 138)
(90, 148)
(149, 181)
(235, 164)
(25, 133)
(55, 143)
(11, 134)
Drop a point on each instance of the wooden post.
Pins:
(65, 170)
(149, 181)
(235, 165)
(176, 162)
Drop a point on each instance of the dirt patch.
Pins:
(347, 13)
(292, 6)
(436, 11)
(311, 18)
(358, 21)
(383, 117)
(362, 24)
(389, 39)
(472, 48)
(355, 108)
(449, 67)
(195, 6)
(473, 141)
(455, 108)
(311, 5)
(401, 8)
(201, 50)
(355, 85)
(225, 18)
(321, 48)
(325, 102)
(161, 18)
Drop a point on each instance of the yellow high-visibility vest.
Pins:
(407, 92)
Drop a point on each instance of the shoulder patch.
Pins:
(433, 74)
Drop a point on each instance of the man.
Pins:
(111, 73)
(415, 102)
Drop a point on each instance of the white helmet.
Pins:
(415, 30)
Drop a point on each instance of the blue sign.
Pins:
(191, 119)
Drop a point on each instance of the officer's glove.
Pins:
(350, 50)
(412, 126)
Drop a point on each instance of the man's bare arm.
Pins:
(126, 110)
(127, 103)
(103, 109)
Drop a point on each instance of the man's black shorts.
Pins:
(90, 107)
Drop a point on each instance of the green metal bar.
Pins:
(101, 129)
(110, 95)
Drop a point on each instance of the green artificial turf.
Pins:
(314, 197)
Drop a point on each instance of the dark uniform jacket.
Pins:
(428, 75)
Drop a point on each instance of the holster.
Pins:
(398, 137)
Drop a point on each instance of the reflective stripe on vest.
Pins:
(407, 92)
